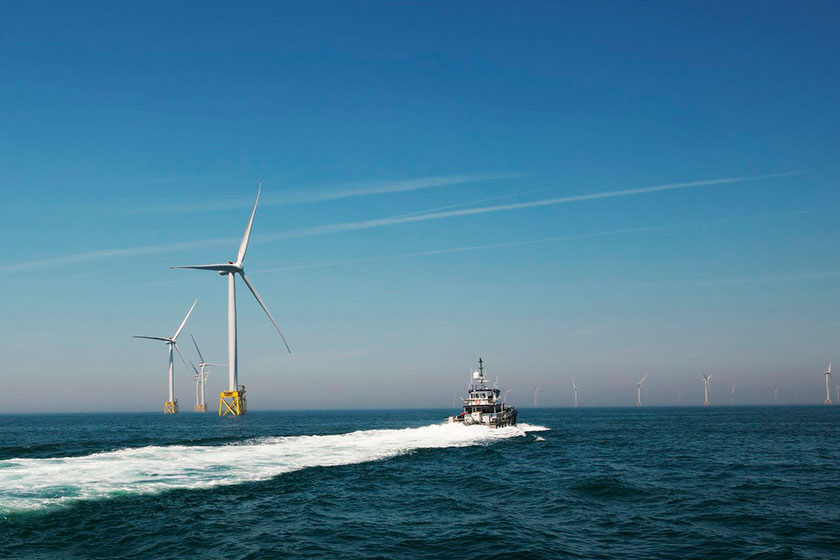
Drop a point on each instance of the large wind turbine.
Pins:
(706, 379)
(775, 395)
(536, 402)
(171, 406)
(201, 379)
(639, 390)
(732, 395)
(827, 374)
(233, 400)
(575, 388)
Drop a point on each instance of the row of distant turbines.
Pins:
(233, 400)
(706, 391)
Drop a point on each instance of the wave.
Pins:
(34, 484)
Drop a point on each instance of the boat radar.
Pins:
(483, 404)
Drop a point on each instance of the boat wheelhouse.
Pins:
(484, 404)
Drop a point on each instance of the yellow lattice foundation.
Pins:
(170, 407)
(233, 403)
(201, 408)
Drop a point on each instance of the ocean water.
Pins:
(727, 482)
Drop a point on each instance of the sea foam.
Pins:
(33, 484)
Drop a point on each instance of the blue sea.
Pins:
(728, 482)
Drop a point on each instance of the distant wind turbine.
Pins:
(827, 374)
(837, 393)
(536, 401)
(233, 400)
(732, 395)
(679, 397)
(171, 406)
(639, 390)
(706, 379)
(201, 378)
(775, 395)
(576, 389)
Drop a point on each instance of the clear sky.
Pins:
(132, 137)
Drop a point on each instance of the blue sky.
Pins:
(134, 134)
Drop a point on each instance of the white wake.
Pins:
(31, 484)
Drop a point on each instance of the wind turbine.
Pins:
(197, 382)
(639, 390)
(775, 395)
(732, 395)
(679, 397)
(837, 393)
(171, 406)
(575, 388)
(201, 379)
(827, 374)
(536, 402)
(706, 379)
(233, 400)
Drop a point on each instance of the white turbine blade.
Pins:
(222, 267)
(259, 299)
(153, 338)
(240, 257)
(214, 365)
(183, 360)
(200, 357)
(184, 322)
(643, 379)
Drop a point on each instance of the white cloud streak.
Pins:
(347, 190)
(528, 242)
(90, 256)
(381, 222)
(470, 248)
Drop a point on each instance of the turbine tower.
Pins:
(233, 400)
(536, 402)
(576, 389)
(201, 379)
(775, 395)
(706, 379)
(171, 406)
(639, 390)
(827, 374)
(732, 395)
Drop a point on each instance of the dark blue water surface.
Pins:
(734, 482)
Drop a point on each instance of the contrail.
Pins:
(348, 190)
(471, 202)
(90, 256)
(471, 248)
(380, 222)
(532, 241)
(434, 214)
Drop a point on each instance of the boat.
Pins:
(484, 405)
